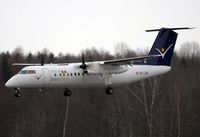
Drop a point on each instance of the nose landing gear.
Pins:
(67, 92)
(17, 92)
(109, 90)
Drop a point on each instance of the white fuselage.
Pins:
(71, 76)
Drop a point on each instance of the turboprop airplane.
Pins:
(108, 74)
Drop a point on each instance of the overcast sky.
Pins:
(72, 25)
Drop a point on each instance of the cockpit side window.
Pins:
(31, 72)
(23, 72)
(27, 72)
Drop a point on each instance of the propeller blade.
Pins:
(83, 65)
(42, 60)
(83, 58)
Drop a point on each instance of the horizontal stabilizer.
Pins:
(151, 30)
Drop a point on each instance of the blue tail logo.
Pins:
(162, 51)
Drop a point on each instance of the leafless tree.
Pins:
(189, 49)
(18, 54)
(149, 89)
(66, 118)
(121, 49)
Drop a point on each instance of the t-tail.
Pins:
(164, 46)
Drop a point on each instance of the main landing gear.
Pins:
(109, 90)
(17, 92)
(107, 78)
(67, 92)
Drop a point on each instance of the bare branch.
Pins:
(133, 93)
(66, 116)
(140, 113)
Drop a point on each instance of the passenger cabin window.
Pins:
(31, 72)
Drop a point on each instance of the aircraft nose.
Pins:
(8, 83)
(11, 83)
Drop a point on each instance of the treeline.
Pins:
(162, 106)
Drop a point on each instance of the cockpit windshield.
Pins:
(23, 72)
(27, 72)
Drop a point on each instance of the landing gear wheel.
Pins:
(109, 90)
(17, 93)
(67, 92)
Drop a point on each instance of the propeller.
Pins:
(83, 65)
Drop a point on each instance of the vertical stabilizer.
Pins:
(164, 45)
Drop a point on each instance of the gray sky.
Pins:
(72, 25)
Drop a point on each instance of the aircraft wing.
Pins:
(125, 61)
(38, 64)
(26, 64)
(128, 61)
